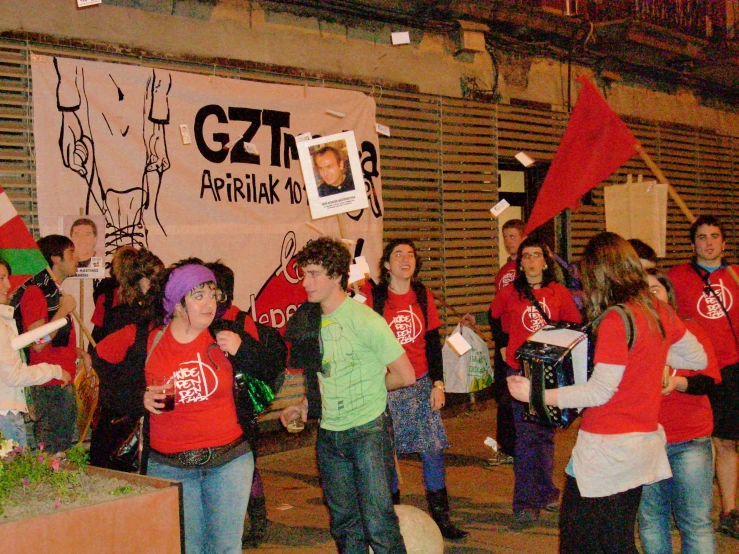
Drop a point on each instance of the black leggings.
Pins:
(598, 525)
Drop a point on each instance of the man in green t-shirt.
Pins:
(351, 359)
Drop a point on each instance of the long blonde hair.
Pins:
(612, 274)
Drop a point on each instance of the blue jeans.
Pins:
(13, 427)
(355, 468)
(688, 494)
(214, 501)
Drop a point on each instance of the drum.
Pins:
(555, 356)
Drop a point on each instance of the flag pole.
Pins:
(676, 197)
(662, 179)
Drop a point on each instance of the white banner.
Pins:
(193, 165)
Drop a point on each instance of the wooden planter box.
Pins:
(149, 522)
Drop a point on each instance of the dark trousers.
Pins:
(505, 428)
(533, 463)
(56, 410)
(597, 525)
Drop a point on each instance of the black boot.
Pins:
(439, 508)
(257, 510)
(396, 497)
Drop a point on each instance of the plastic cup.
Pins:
(169, 391)
(295, 424)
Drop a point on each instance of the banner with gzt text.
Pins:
(197, 165)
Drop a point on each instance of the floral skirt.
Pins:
(417, 428)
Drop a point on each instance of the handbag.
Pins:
(129, 452)
(250, 391)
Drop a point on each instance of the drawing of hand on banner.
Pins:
(122, 204)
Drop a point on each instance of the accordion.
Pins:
(555, 356)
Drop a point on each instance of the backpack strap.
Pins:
(156, 340)
(627, 317)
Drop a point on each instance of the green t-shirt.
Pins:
(357, 345)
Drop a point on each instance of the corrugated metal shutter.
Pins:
(17, 175)
(698, 162)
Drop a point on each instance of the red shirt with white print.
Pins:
(521, 319)
(694, 303)
(205, 413)
(404, 316)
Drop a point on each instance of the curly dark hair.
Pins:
(389, 247)
(330, 254)
(549, 275)
(144, 265)
(225, 281)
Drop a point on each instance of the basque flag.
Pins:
(17, 246)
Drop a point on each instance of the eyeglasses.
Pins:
(534, 256)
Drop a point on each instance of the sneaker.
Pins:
(552, 506)
(500, 458)
(523, 520)
(729, 524)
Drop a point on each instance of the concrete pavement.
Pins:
(480, 498)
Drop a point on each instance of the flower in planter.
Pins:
(27, 473)
(6, 447)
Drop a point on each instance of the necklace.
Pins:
(396, 291)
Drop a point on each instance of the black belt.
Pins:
(204, 458)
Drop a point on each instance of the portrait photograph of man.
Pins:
(333, 173)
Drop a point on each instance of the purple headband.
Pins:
(181, 281)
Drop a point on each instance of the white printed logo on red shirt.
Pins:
(196, 381)
(532, 320)
(709, 306)
(406, 325)
(507, 278)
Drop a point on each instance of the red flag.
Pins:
(595, 144)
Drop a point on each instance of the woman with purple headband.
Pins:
(199, 440)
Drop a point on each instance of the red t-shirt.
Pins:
(98, 315)
(114, 347)
(404, 316)
(521, 319)
(688, 416)
(205, 412)
(504, 278)
(635, 405)
(693, 303)
(34, 308)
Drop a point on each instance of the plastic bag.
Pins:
(470, 372)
